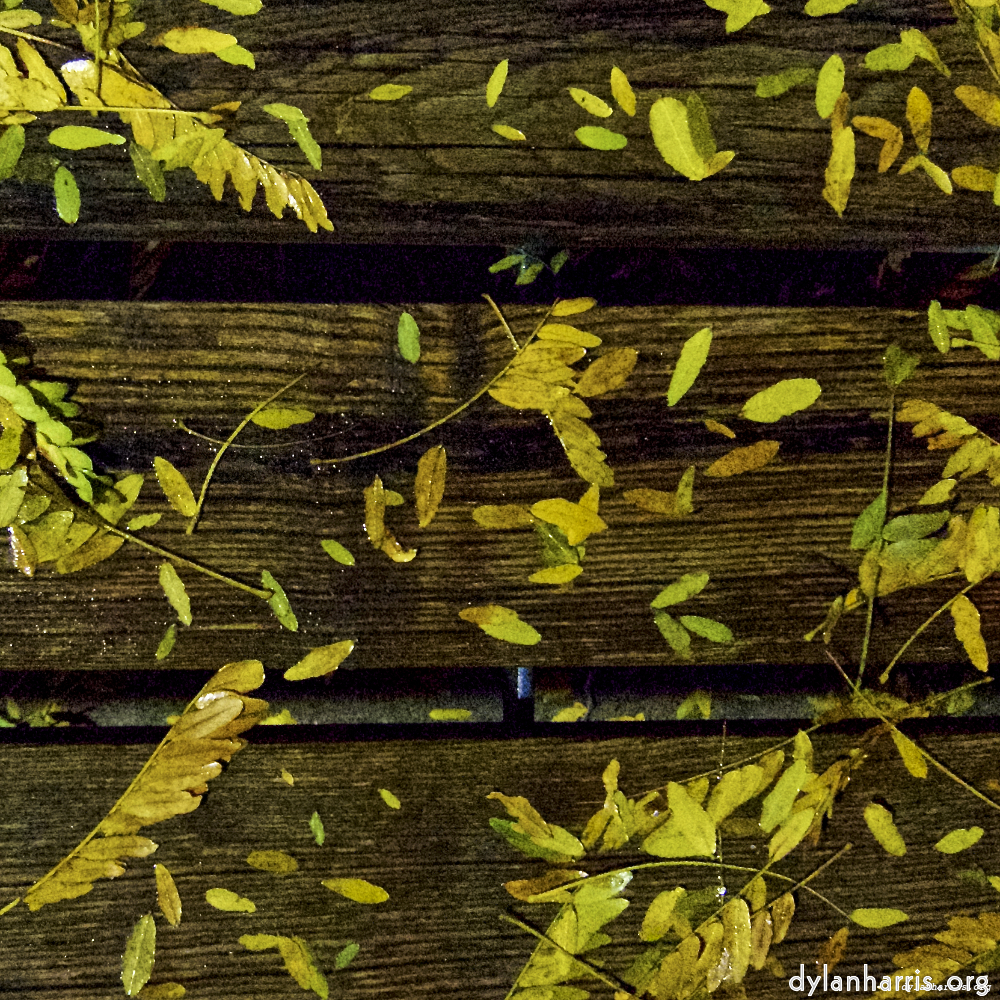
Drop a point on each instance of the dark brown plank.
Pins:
(775, 542)
(428, 169)
(439, 935)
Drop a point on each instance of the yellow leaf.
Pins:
(167, 897)
(570, 307)
(276, 862)
(940, 492)
(936, 174)
(171, 783)
(732, 790)
(501, 623)
(697, 704)
(357, 889)
(877, 917)
(189, 41)
(503, 517)
(278, 418)
(590, 102)
(524, 889)
(883, 829)
(163, 991)
(568, 334)
(137, 962)
(668, 121)
(429, 487)
(693, 356)
(622, 91)
(389, 799)
(891, 135)
(739, 13)
(449, 714)
(607, 372)
(557, 574)
(659, 917)
(673, 504)
(959, 840)
(580, 443)
(778, 804)
(575, 521)
(781, 399)
(287, 777)
(918, 114)
(974, 178)
(523, 393)
(913, 757)
(298, 960)
(735, 958)
(507, 132)
(968, 633)
(790, 834)
(980, 555)
(981, 103)
(840, 170)
(747, 459)
(175, 487)
(829, 85)
(321, 661)
(495, 84)
(716, 428)
(761, 934)
(389, 92)
(231, 902)
(572, 713)
(688, 832)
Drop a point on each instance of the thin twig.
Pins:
(510, 333)
(34, 38)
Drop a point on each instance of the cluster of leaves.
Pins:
(164, 138)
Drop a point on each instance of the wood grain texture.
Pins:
(428, 168)
(775, 542)
(439, 935)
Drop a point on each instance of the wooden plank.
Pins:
(775, 542)
(429, 169)
(440, 935)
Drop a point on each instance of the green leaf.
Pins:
(894, 57)
(829, 85)
(701, 130)
(449, 714)
(389, 92)
(868, 526)
(780, 83)
(528, 273)
(337, 552)
(883, 828)
(600, 138)
(137, 962)
(83, 137)
(148, 171)
(918, 43)
(910, 526)
(506, 262)
(514, 134)
(279, 602)
(320, 662)
(239, 56)
(409, 338)
(555, 265)
(277, 418)
(501, 623)
(346, 955)
(781, 399)
(940, 492)
(817, 8)
(877, 917)
(389, 799)
(298, 127)
(680, 590)
(167, 643)
(959, 840)
(694, 353)
(241, 8)
(67, 196)
(668, 121)
(778, 804)
(697, 704)
(677, 636)
(495, 84)
(590, 103)
(707, 628)
(173, 587)
(316, 825)
(898, 365)
(739, 12)
(11, 147)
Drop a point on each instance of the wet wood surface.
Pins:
(775, 542)
(440, 935)
(429, 168)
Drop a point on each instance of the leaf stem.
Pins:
(229, 440)
(906, 645)
(510, 333)
(878, 566)
(454, 413)
(33, 38)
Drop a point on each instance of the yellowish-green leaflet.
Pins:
(501, 623)
(163, 991)
(191, 41)
(696, 704)
(167, 896)
(173, 587)
(298, 127)
(701, 130)
(898, 365)
(694, 353)
(83, 137)
(409, 338)
(278, 602)
(277, 418)
(883, 829)
(959, 840)
(780, 83)
(937, 327)
(668, 121)
(148, 171)
(515, 135)
(449, 714)
(680, 590)
(707, 628)
(11, 147)
(357, 889)
(175, 487)
(275, 862)
(739, 12)
(590, 103)
(893, 57)
(495, 83)
(817, 8)
(239, 7)
(167, 643)
(137, 962)
(920, 45)
(688, 832)
(316, 825)
(877, 917)
(143, 521)
(337, 552)
(67, 196)
(621, 91)
(320, 662)
(600, 138)
(829, 85)
(677, 636)
(389, 799)
(346, 955)
(389, 92)
(869, 523)
(913, 526)
(16, 19)
(968, 631)
(780, 799)
(781, 399)
(231, 902)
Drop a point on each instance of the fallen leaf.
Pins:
(320, 662)
(408, 334)
(572, 713)
(429, 486)
(680, 590)
(229, 901)
(829, 85)
(959, 840)
(83, 137)
(694, 354)
(968, 633)
(507, 132)
(276, 862)
(557, 574)
(449, 714)
(357, 889)
(337, 552)
(278, 418)
(608, 372)
(177, 595)
(389, 799)
(590, 103)
(140, 952)
(622, 91)
(316, 826)
(781, 399)
(840, 170)
(918, 114)
(494, 86)
(747, 459)
(167, 897)
(387, 91)
(175, 487)
(501, 623)
(877, 917)
(278, 602)
(883, 829)
(570, 307)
